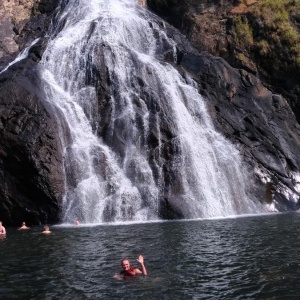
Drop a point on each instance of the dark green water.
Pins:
(243, 258)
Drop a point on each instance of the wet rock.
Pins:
(259, 122)
(31, 175)
(21, 23)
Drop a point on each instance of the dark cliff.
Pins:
(31, 166)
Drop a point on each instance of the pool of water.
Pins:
(239, 258)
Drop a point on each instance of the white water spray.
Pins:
(22, 55)
(127, 182)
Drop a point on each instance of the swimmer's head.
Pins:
(125, 264)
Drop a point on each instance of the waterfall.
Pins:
(135, 132)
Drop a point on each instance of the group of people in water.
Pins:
(127, 270)
(23, 227)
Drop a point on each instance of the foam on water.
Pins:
(129, 223)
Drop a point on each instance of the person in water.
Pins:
(46, 229)
(2, 229)
(23, 226)
(131, 271)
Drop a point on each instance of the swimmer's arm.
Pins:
(144, 271)
(118, 277)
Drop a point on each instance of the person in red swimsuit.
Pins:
(131, 271)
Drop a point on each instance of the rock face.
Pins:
(14, 15)
(21, 22)
(32, 179)
(261, 37)
(265, 125)
(259, 122)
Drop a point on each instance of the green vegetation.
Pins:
(243, 32)
(245, 60)
(263, 47)
(267, 28)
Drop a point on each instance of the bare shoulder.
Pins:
(138, 272)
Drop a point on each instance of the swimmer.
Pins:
(2, 229)
(46, 229)
(131, 271)
(77, 222)
(23, 226)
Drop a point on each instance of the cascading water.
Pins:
(147, 139)
(22, 55)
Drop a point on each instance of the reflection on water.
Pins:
(244, 258)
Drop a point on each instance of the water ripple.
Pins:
(245, 258)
